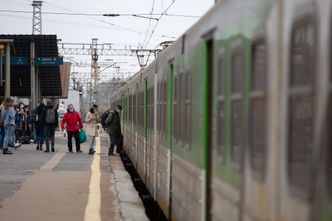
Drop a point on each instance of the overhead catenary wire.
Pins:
(147, 30)
(156, 25)
(137, 15)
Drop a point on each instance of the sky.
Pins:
(121, 31)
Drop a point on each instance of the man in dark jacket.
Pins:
(113, 125)
(51, 122)
(39, 124)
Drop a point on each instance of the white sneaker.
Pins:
(17, 145)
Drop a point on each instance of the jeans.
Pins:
(2, 136)
(40, 136)
(91, 141)
(115, 140)
(74, 134)
(49, 136)
(9, 131)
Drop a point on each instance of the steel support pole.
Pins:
(32, 76)
(1, 69)
(37, 84)
(7, 82)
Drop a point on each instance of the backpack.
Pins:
(104, 117)
(50, 116)
(34, 116)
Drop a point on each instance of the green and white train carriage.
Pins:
(232, 121)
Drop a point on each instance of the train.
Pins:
(232, 121)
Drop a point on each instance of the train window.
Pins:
(257, 112)
(182, 119)
(237, 72)
(176, 109)
(163, 107)
(301, 110)
(236, 132)
(187, 123)
(237, 64)
(221, 107)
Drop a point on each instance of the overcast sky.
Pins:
(126, 30)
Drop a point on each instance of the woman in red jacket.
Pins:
(72, 120)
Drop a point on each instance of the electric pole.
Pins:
(37, 19)
(94, 69)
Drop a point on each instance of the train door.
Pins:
(163, 152)
(141, 133)
(207, 127)
(299, 109)
(170, 74)
(324, 199)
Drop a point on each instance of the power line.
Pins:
(138, 15)
(162, 14)
(147, 30)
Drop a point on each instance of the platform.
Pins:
(67, 186)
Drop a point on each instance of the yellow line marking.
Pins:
(92, 210)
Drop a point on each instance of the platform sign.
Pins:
(18, 60)
(49, 60)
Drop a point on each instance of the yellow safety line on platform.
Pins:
(92, 210)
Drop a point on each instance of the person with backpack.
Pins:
(40, 125)
(72, 119)
(91, 127)
(113, 125)
(8, 117)
(51, 123)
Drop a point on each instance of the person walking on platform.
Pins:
(8, 117)
(72, 119)
(61, 112)
(51, 122)
(91, 127)
(20, 120)
(40, 125)
(113, 125)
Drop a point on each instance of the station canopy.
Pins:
(49, 75)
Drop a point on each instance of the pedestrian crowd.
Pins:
(19, 125)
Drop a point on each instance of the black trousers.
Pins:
(74, 134)
(115, 140)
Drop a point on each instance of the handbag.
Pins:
(82, 135)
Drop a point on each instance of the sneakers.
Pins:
(91, 151)
(17, 145)
(7, 152)
(52, 149)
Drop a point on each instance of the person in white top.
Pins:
(91, 127)
(61, 112)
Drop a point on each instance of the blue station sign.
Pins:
(16, 61)
(49, 60)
